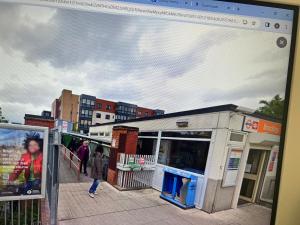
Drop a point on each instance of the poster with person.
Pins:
(22, 161)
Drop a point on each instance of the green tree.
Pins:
(273, 108)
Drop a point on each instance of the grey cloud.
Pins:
(19, 92)
(269, 85)
(74, 37)
(268, 74)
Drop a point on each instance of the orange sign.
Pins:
(269, 127)
(256, 125)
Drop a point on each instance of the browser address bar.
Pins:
(115, 7)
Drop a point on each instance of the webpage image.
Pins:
(206, 97)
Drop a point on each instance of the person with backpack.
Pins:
(96, 172)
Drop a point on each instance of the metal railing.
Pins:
(50, 204)
(73, 159)
(20, 212)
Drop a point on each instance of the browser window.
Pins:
(203, 84)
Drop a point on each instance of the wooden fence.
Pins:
(135, 171)
(125, 161)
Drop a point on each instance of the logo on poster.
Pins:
(251, 124)
(256, 125)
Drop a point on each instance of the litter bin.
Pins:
(179, 188)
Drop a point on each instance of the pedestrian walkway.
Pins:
(143, 207)
(69, 175)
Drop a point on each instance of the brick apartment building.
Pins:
(104, 112)
(43, 120)
(66, 107)
(86, 110)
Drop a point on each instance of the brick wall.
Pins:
(144, 112)
(124, 140)
(39, 122)
(104, 103)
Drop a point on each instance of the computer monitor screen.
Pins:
(192, 93)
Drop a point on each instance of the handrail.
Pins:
(73, 159)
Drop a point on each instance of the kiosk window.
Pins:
(187, 134)
(150, 134)
(186, 155)
(146, 146)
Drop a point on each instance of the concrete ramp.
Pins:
(69, 174)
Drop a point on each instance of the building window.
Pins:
(146, 146)
(88, 101)
(237, 137)
(92, 102)
(90, 113)
(187, 134)
(98, 115)
(139, 113)
(94, 134)
(107, 117)
(108, 107)
(99, 105)
(146, 113)
(182, 154)
(148, 134)
(84, 101)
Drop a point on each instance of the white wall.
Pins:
(103, 119)
(196, 122)
(236, 121)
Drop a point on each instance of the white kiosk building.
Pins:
(231, 150)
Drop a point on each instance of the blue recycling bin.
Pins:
(179, 187)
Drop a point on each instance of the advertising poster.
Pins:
(232, 167)
(22, 162)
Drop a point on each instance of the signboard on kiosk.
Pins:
(23, 159)
(232, 167)
(256, 125)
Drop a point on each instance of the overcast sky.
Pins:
(169, 65)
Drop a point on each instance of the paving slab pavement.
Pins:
(143, 207)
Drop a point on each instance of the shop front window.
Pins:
(183, 154)
(146, 146)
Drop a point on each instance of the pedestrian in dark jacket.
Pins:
(83, 154)
(96, 172)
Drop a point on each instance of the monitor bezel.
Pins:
(295, 10)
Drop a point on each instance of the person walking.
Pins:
(83, 154)
(96, 172)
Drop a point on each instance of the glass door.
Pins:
(252, 174)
